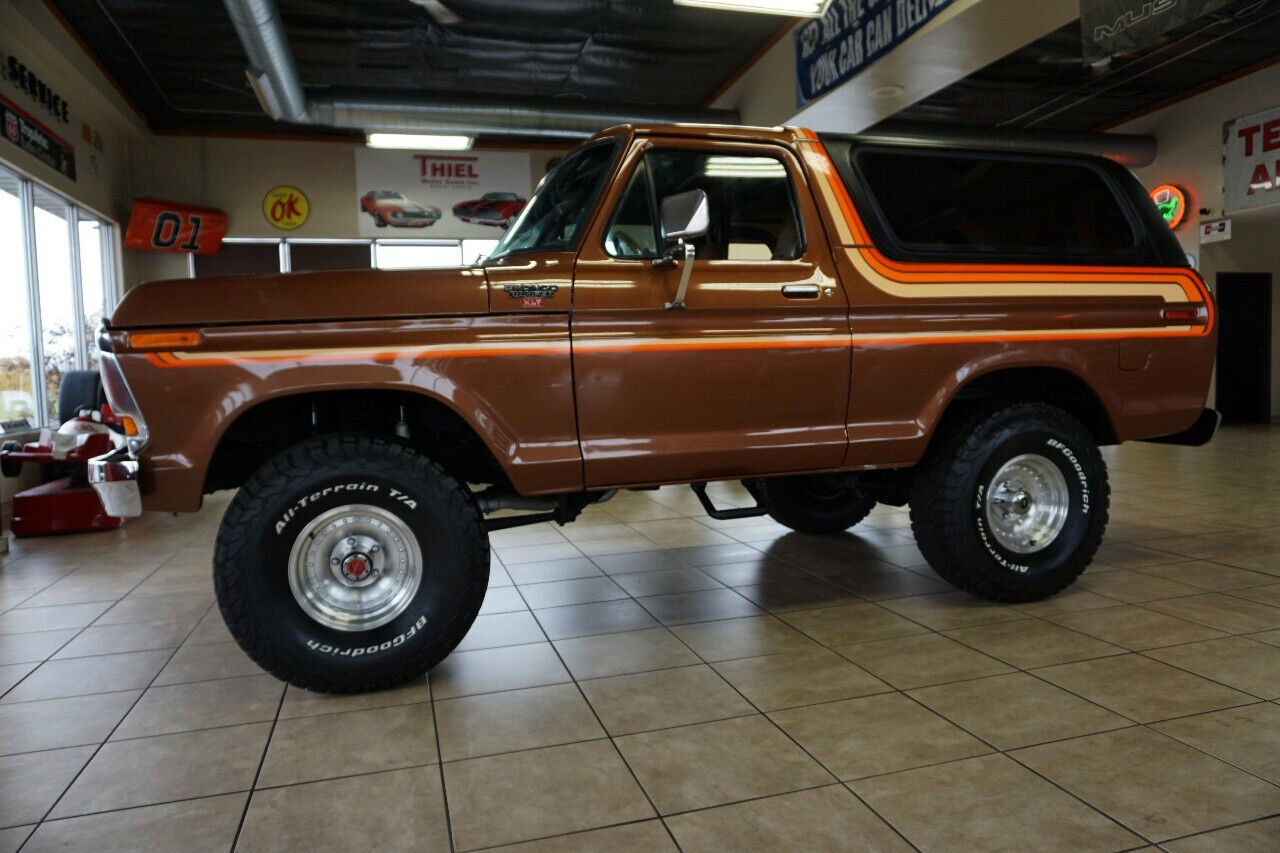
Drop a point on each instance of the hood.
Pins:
(303, 297)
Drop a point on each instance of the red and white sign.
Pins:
(166, 226)
(449, 194)
(1215, 231)
(1251, 162)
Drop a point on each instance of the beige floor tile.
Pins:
(754, 572)
(192, 826)
(411, 815)
(640, 561)
(31, 782)
(876, 734)
(1211, 576)
(663, 698)
(1132, 586)
(32, 647)
(161, 769)
(880, 582)
(553, 791)
(1009, 711)
(210, 629)
(203, 705)
(1135, 628)
(920, 660)
(798, 678)
(55, 723)
(553, 570)
(742, 638)
(474, 726)
(1142, 689)
(11, 674)
(126, 637)
(502, 629)
(851, 623)
(949, 610)
(716, 763)
(1132, 556)
(666, 582)
(178, 607)
(702, 606)
(307, 749)
(537, 553)
(1268, 595)
(617, 654)
(646, 836)
(602, 617)
(1256, 837)
(576, 591)
(796, 595)
(495, 670)
(1248, 737)
(1223, 612)
(306, 703)
(1033, 642)
(12, 839)
(1237, 662)
(1152, 783)
(822, 819)
(990, 804)
(82, 676)
(1071, 600)
(207, 661)
(24, 619)
(1271, 638)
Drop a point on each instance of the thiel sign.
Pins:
(1251, 162)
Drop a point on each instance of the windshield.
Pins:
(558, 211)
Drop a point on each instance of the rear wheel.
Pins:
(814, 503)
(349, 563)
(1011, 503)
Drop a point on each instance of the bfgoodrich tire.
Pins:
(1011, 504)
(350, 563)
(814, 503)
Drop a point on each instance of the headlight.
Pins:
(120, 396)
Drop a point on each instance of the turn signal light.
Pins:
(1182, 315)
(163, 340)
(130, 428)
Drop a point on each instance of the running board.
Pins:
(700, 489)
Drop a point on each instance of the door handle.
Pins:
(800, 291)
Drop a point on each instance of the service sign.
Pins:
(1251, 162)
(166, 226)
(449, 194)
(852, 35)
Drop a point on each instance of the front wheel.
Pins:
(349, 563)
(1011, 503)
(814, 503)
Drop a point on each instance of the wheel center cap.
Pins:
(356, 567)
(1021, 503)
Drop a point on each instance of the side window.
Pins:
(988, 205)
(753, 208)
(632, 233)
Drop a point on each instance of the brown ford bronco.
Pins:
(833, 321)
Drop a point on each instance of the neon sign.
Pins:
(1171, 201)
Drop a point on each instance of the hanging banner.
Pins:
(450, 194)
(166, 226)
(1109, 27)
(850, 36)
(1251, 162)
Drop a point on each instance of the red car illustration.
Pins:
(388, 207)
(491, 209)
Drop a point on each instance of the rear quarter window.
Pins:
(946, 205)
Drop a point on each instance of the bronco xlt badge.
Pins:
(531, 295)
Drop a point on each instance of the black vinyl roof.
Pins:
(182, 64)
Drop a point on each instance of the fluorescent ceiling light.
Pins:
(791, 8)
(419, 140)
(744, 167)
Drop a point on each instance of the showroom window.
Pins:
(60, 282)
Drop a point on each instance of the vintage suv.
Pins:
(832, 321)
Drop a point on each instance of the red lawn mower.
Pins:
(66, 503)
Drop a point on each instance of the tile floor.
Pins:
(650, 678)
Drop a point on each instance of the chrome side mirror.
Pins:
(685, 216)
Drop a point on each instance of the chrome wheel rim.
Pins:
(355, 568)
(1027, 503)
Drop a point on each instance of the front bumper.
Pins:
(114, 476)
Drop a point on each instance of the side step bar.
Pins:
(700, 489)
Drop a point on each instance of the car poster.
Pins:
(444, 194)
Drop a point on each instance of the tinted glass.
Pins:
(555, 216)
(955, 203)
(631, 233)
(753, 213)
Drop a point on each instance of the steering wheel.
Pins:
(624, 245)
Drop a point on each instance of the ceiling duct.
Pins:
(274, 78)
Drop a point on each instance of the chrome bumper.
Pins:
(114, 476)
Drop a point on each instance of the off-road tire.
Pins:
(947, 509)
(251, 563)
(814, 503)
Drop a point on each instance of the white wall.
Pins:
(1190, 135)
